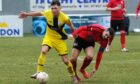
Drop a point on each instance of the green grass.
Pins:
(18, 57)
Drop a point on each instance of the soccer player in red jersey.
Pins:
(85, 38)
(137, 10)
(117, 9)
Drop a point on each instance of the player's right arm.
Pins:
(103, 45)
(26, 14)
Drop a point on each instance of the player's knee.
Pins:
(44, 51)
(66, 61)
(122, 31)
(89, 55)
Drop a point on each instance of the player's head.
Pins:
(55, 7)
(108, 33)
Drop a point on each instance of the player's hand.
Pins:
(107, 9)
(93, 72)
(119, 7)
(23, 15)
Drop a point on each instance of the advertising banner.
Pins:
(11, 26)
(39, 23)
(70, 5)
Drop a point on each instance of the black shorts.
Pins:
(117, 25)
(80, 44)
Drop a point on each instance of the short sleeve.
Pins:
(45, 13)
(67, 19)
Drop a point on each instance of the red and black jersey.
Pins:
(138, 9)
(91, 33)
(118, 14)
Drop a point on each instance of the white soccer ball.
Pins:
(42, 77)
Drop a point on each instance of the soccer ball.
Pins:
(42, 77)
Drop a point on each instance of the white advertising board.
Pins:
(70, 5)
(11, 26)
(0, 5)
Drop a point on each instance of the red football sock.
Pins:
(86, 62)
(122, 38)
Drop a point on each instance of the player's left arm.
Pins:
(70, 24)
(137, 10)
(124, 9)
(110, 8)
(100, 54)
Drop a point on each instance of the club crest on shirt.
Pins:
(59, 23)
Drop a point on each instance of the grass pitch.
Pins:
(18, 59)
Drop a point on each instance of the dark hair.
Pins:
(55, 2)
(111, 31)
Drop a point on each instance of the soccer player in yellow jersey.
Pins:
(55, 35)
